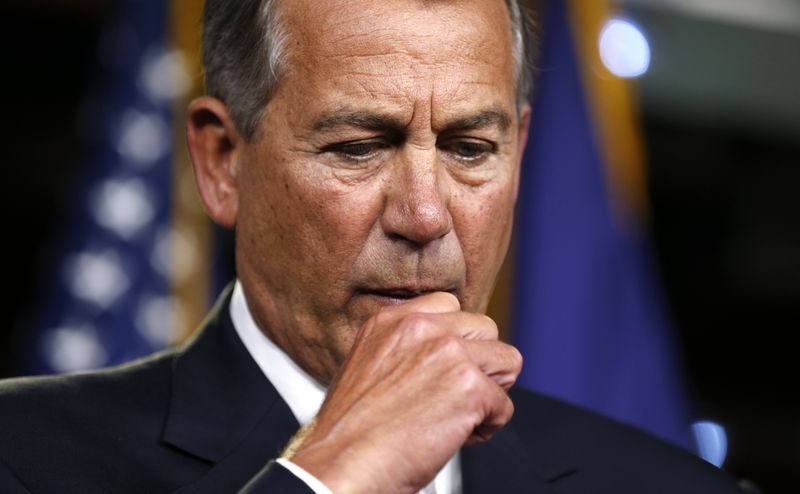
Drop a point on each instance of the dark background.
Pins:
(721, 114)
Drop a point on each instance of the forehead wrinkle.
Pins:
(382, 40)
(384, 62)
(364, 25)
(367, 33)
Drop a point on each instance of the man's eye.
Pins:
(357, 150)
(470, 150)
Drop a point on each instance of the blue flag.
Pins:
(106, 287)
(587, 312)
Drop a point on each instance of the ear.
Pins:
(522, 141)
(215, 147)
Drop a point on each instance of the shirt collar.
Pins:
(300, 391)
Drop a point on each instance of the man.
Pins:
(367, 155)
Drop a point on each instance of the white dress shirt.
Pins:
(305, 395)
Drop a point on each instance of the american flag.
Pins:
(106, 298)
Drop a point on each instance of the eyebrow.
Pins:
(481, 120)
(378, 121)
(361, 119)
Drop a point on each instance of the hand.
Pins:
(421, 380)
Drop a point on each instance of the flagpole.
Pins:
(191, 240)
(614, 116)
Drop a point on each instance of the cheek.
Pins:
(311, 225)
(483, 224)
(269, 204)
(336, 218)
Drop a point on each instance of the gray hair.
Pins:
(244, 46)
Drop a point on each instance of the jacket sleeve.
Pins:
(272, 479)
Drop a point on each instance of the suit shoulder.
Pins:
(99, 431)
(142, 381)
(611, 453)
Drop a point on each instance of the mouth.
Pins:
(399, 295)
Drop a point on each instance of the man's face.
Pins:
(386, 167)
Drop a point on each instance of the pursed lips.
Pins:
(402, 294)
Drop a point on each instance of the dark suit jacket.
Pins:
(203, 419)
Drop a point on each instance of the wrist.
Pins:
(337, 464)
(335, 468)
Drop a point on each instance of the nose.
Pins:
(417, 199)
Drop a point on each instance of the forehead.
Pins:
(389, 52)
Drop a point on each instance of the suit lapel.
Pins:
(506, 465)
(221, 404)
(252, 454)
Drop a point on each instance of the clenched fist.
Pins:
(422, 380)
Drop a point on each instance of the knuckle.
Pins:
(451, 345)
(416, 325)
(503, 412)
(475, 419)
(470, 379)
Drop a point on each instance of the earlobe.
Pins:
(214, 146)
